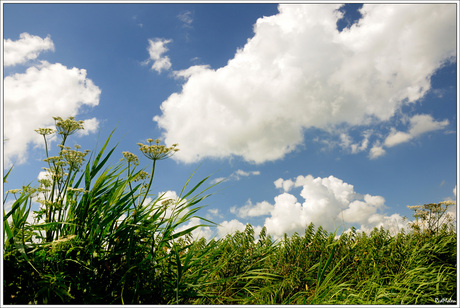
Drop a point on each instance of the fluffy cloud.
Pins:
(172, 197)
(28, 47)
(328, 202)
(419, 124)
(286, 185)
(393, 223)
(376, 151)
(229, 227)
(157, 47)
(298, 72)
(250, 210)
(175, 201)
(32, 98)
(198, 232)
(90, 125)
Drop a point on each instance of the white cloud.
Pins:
(393, 223)
(419, 124)
(328, 202)
(250, 210)
(286, 185)
(198, 232)
(219, 179)
(376, 151)
(32, 98)
(28, 47)
(451, 212)
(396, 138)
(299, 72)
(191, 71)
(173, 201)
(346, 142)
(90, 126)
(229, 227)
(157, 47)
(361, 211)
(213, 213)
(236, 176)
(186, 18)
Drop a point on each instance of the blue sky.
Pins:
(336, 115)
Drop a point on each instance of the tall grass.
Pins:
(101, 237)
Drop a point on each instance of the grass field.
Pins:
(100, 238)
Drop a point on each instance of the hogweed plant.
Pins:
(61, 170)
(431, 218)
(106, 237)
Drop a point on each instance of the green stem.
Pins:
(129, 183)
(150, 183)
(46, 149)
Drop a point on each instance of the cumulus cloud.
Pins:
(199, 232)
(157, 48)
(328, 202)
(229, 227)
(90, 126)
(286, 185)
(393, 223)
(28, 47)
(298, 72)
(174, 201)
(32, 98)
(251, 210)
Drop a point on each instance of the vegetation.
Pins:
(100, 237)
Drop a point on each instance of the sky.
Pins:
(334, 114)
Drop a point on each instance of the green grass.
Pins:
(99, 240)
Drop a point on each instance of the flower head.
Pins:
(130, 157)
(68, 126)
(45, 131)
(141, 175)
(74, 158)
(156, 151)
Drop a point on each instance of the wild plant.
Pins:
(99, 235)
(431, 218)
